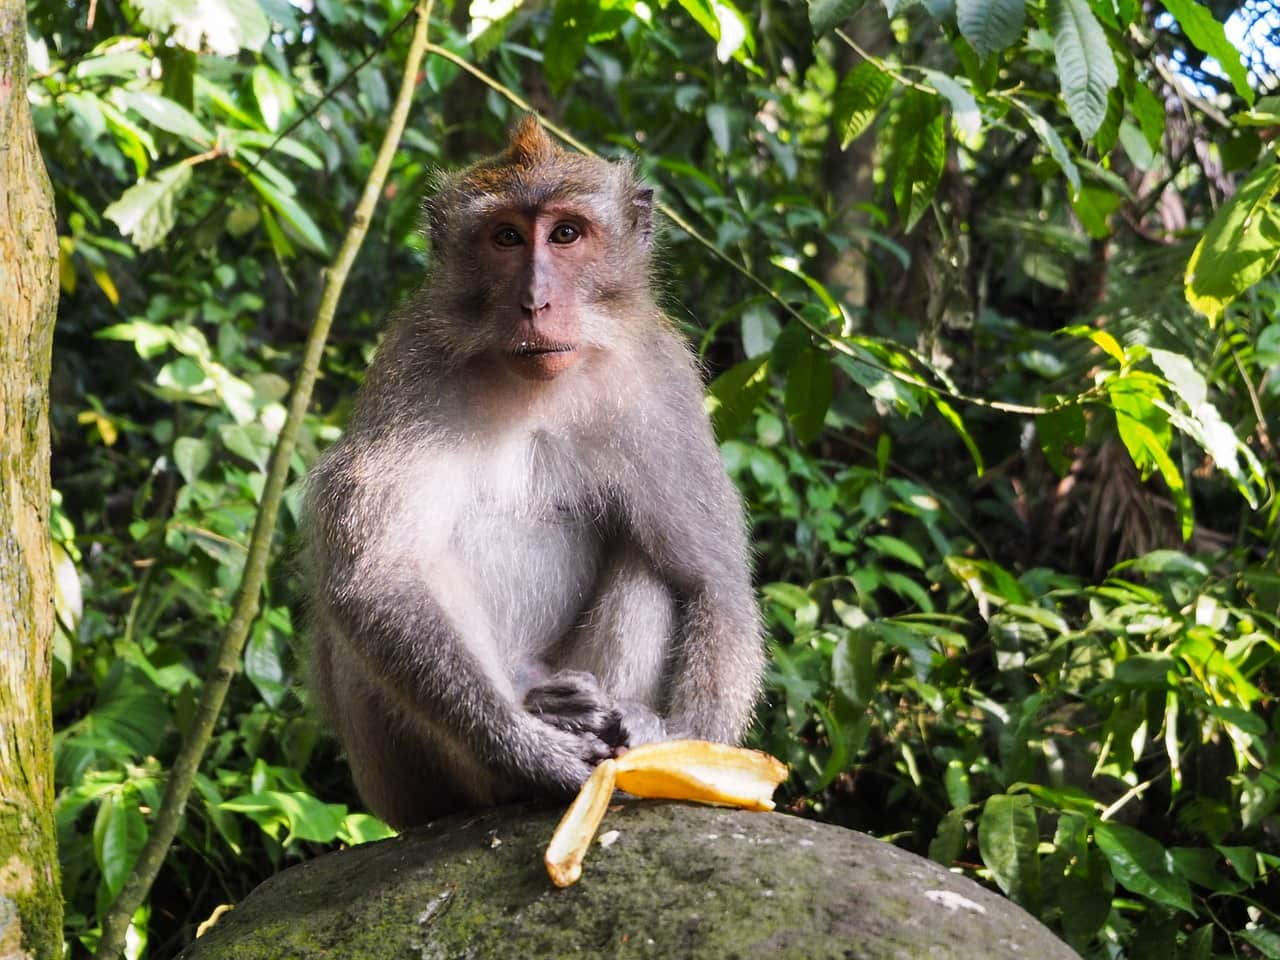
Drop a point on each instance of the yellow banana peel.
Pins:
(697, 770)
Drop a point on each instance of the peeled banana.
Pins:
(672, 770)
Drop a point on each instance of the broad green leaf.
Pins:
(147, 211)
(723, 23)
(899, 549)
(1240, 246)
(825, 15)
(119, 831)
(1057, 149)
(1060, 432)
(285, 145)
(1143, 865)
(956, 779)
(1009, 840)
(362, 828)
(190, 456)
(732, 396)
(952, 416)
(164, 113)
(1086, 68)
(1198, 23)
(224, 26)
(264, 92)
(808, 395)
(991, 25)
(1266, 942)
(1144, 670)
(1133, 397)
(966, 119)
(948, 841)
(918, 154)
(291, 213)
(718, 123)
(306, 817)
(264, 664)
(853, 668)
(571, 22)
(134, 142)
(1149, 112)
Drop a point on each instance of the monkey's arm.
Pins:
(687, 517)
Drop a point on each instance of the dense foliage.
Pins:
(984, 290)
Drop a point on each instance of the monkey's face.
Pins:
(534, 262)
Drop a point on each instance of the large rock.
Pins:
(678, 881)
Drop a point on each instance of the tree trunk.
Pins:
(30, 900)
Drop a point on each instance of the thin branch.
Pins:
(227, 661)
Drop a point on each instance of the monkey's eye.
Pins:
(508, 237)
(564, 233)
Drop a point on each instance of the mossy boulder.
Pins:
(677, 881)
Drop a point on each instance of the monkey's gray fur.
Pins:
(510, 578)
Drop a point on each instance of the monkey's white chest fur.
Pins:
(512, 539)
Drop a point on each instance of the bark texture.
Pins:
(676, 882)
(30, 902)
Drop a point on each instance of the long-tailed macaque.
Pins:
(524, 553)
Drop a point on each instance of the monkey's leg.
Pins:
(624, 642)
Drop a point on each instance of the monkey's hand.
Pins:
(560, 760)
(640, 725)
(571, 700)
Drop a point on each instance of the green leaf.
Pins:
(1143, 865)
(224, 26)
(306, 817)
(948, 841)
(808, 395)
(966, 118)
(1149, 112)
(918, 155)
(566, 41)
(119, 831)
(190, 456)
(292, 214)
(264, 92)
(718, 123)
(732, 396)
(1144, 670)
(1240, 246)
(1061, 431)
(898, 549)
(825, 15)
(168, 116)
(147, 211)
(956, 779)
(853, 670)
(1057, 149)
(991, 25)
(1133, 397)
(1208, 34)
(952, 416)
(264, 665)
(1266, 942)
(1086, 68)
(1009, 840)
(362, 828)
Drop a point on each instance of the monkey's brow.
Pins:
(530, 201)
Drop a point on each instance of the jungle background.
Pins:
(983, 290)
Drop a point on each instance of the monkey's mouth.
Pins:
(543, 359)
(531, 348)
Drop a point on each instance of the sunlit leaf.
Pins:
(1143, 865)
(1086, 67)
(147, 211)
(1008, 839)
(991, 25)
(859, 98)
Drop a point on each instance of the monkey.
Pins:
(524, 552)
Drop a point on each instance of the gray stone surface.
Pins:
(679, 881)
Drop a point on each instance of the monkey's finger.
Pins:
(702, 771)
(578, 826)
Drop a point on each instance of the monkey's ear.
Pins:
(642, 213)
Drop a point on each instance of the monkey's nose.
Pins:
(534, 305)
